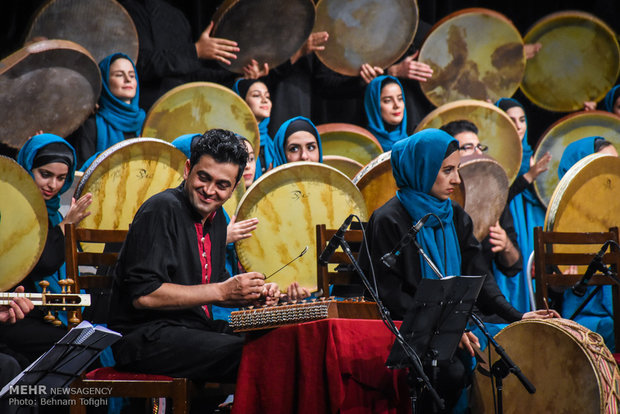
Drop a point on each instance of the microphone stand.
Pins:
(606, 272)
(411, 354)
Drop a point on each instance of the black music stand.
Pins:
(63, 363)
(435, 322)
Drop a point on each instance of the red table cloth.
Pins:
(326, 366)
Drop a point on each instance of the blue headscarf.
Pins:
(505, 104)
(416, 161)
(184, 143)
(611, 98)
(241, 88)
(26, 157)
(372, 105)
(574, 152)
(279, 142)
(115, 116)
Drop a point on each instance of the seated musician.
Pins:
(171, 270)
(297, 140)
(500, 247)
(425, 167)
(50, 160)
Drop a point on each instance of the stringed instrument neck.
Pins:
(62, 300)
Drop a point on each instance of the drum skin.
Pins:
(23, 223)
(377, 32)
(486, 191)
(124, 176)
(198, 106)
(565, 131)
(269, 31)
(496, 130)
(85, 22)
(579, 61)
(377, 184)
(348, 140)
(345, 165)
(475, 54)
(52, 85)
(289, 201)
(569, 365)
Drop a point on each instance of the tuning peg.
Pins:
(63, 285)
(44, 284)
(74, 319)
(69, 282)
(49, 317)
(56, 322)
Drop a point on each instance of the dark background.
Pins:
(15, 16)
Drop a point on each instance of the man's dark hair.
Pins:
(456, 127)
(223, 146)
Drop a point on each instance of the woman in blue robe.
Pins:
(118, 116)
(256, 94)
(598, 314)
(297, 140)
(384, 102)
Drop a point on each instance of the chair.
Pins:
(338, 277)
(121, 384)
(547, 262)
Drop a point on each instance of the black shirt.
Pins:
(397, 286)
(162, 247)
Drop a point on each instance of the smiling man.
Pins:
(171, 270)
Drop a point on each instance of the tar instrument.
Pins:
(52, 85)
(475, 54)
(565, 131)
(23, 223)
(579, 61)
(345, 165)
(268, 317)
(102, 27)
(349, 141)
(496, 130)
(289, 201)
(486, 191)
(124, 176)
(569, 365)
(377, 184)
(48, 300)
(377, 32)
(195, 107)
(269, 31)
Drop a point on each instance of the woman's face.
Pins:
(517, 116)
(259, 100)
(122, 80)
(50, 178)
(301, 146)
(448, 177)
(250, 167)
(609, 150)
(392, 105)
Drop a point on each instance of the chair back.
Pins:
(327, 277)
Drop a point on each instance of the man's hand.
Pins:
(214, 48)
(296, 292)
(270, 294)
(17, 310)
(245, 287)
(410, 68)
(240, 230)
(467, 340)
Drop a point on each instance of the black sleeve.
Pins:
(506, 222)
(517, 187)
(52, 257)
(84, 140)
(491, 300)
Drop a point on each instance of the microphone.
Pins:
(580, 288)
(389, 259)
(335, 241)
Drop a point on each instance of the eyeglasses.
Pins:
(471, 147)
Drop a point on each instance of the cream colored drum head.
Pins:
(579, 61)
(377, 32)
(349, 141)
(486, 190)
(345, 165)
(197, 107)
(103, 27)
(376, 182)
(496, 130)
(569, 365)
(124, 176)
(23, 223)
(565, 131)
(289, 201)
(475, 54)
(586, 199)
